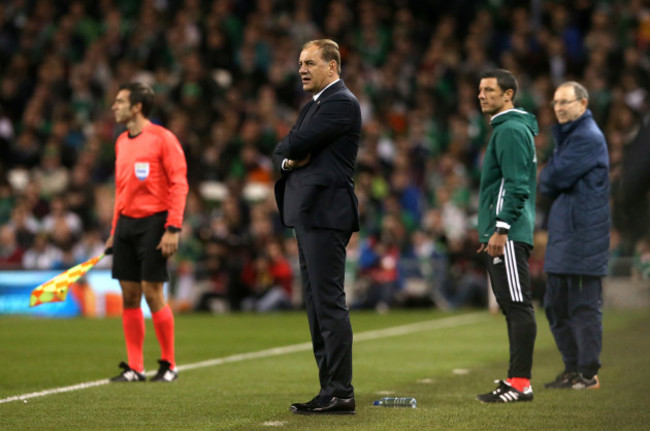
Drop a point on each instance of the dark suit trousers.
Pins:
(322, 266)
(573, 308)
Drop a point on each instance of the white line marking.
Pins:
(447, 322)
(55, 391)
(274, 424)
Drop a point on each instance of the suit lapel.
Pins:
(311, 107)
(310, 112)
(305, 113)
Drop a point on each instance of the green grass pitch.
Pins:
(442, 359)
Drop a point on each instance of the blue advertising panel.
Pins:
(16, 286)
(94, 295)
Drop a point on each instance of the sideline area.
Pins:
(446, 322)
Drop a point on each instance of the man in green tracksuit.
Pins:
(506, 219)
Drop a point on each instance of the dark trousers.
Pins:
(322, 266)
(573, 308)
(510, 279)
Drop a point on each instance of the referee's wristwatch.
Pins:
(173, 229)
(502, 230)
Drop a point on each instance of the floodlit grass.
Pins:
(444, 368)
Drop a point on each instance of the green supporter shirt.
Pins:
(509, 177)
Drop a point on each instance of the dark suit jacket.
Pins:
(321, 194)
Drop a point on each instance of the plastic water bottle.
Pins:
(396, 402)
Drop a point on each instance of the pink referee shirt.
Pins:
(150, 175)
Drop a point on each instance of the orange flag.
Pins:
(56, 289)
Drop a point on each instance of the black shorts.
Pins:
(135, 257)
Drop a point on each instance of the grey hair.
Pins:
(579, 89)
(329, 51)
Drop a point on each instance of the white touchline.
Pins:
(447, 322)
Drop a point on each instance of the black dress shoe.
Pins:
(335, 406)
(314, 402)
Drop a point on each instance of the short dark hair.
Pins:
(140, 93)
(505, 79)
(329, 51)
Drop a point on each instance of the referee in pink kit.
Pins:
(150, 194)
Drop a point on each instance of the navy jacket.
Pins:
(321, 194)
(577, 177)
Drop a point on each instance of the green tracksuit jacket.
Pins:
(508, 177)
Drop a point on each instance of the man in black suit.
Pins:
(315, 196)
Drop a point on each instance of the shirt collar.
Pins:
(517, 110)
(316, 96)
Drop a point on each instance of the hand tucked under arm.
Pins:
(294, 164)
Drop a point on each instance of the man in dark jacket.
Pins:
(315, 196)
(577, 178)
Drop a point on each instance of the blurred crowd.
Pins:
(226, 83)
